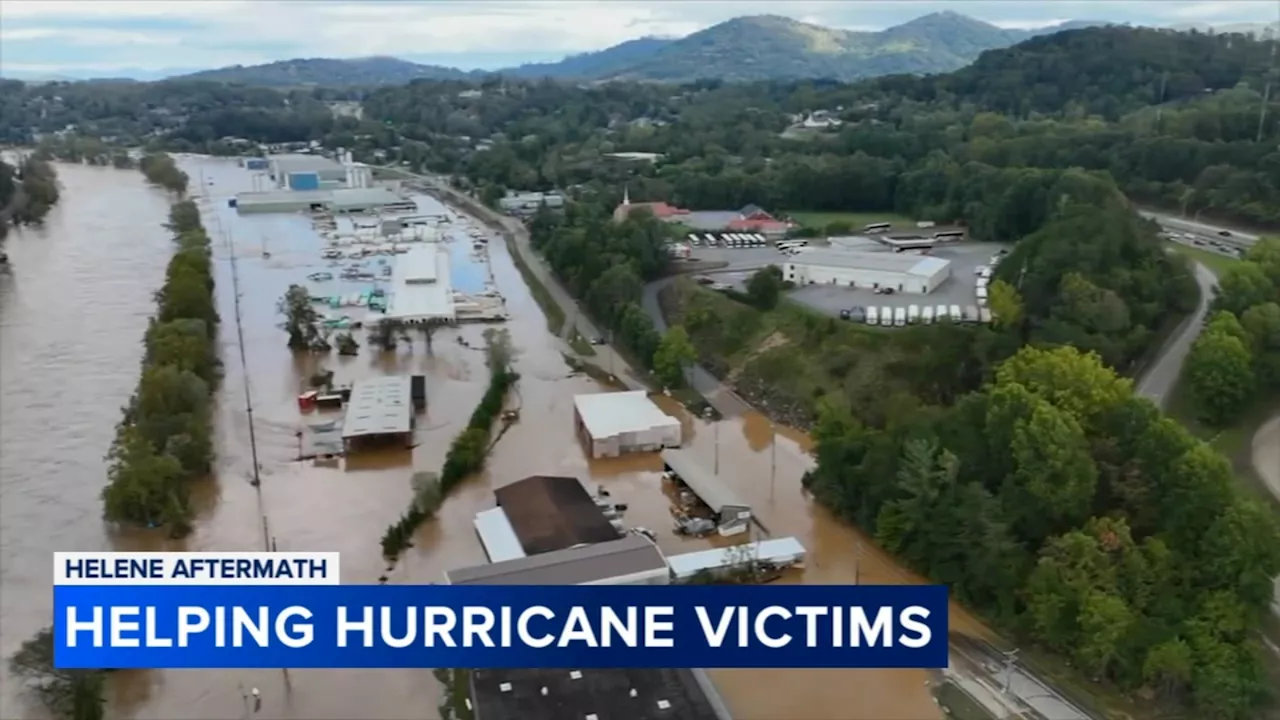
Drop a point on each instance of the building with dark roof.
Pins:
(540, 694)
(630, 560)
(553, 513)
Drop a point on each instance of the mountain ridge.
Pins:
(747, 48)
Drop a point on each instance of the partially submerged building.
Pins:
(379, 413)
(546, 513)
(730, 512)
(615, 423)
(421, 287)
(526, 204)
(630, 560)
(589, 694)
(772, 553)
(341, 200)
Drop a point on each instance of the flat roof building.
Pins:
(777, 552)
(421, 286)
(730, 510)
(380, 411)
(611, 424)
(629, 560)
(851, 268)
(282, 166)
(641, 694)
(497, 536)
(548, 513)
(337, 200)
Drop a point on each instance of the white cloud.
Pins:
(142, 33)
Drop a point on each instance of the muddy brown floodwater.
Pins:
(73, 315)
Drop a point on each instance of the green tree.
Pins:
(675, 353)
(143, 487)
(765, 287)
(1220, 377)
(1242, 286)
(66, 694)
(1005, 303)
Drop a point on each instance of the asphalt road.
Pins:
(1159, 380)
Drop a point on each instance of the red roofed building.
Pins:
(753, 219)
(660, 210)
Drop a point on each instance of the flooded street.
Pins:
(72, 317)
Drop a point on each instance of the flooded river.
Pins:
(72, 316)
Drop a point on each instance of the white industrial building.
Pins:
(903, 272)
(340, 200)
(611, 424)
(421, 287)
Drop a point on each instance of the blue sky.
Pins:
(145, 38)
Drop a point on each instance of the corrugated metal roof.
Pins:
(412, 296)
(929, 266)
(379, 405)
(709, 488)
(497, 536)
(303, 163)
(613, 413)
(549, 513)
(584, 565)
(776, 550)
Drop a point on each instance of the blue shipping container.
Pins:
(256, 163)
(304, 181)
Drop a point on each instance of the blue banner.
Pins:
(494, 626)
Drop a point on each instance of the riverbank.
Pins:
(73, 315)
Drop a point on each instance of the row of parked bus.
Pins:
(728, 240)
(914, 314)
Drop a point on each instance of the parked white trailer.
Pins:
(873, 315)
(886, 316)
(940, 313)
(955, 313)
(927, 314)
(913, 314)
(900, 316)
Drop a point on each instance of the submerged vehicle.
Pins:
(320, 276)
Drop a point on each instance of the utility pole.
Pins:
(773, 458)
(1164, 81)
(717, 457)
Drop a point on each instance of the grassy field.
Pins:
(1216, 262)
(958, 704)
(857, 220)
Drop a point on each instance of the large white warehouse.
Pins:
(901, 271)
(611, 424)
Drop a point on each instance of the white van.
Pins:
(982, 296)
(940, 313)
(983, 283)
(984, 272)
(913, 314)
(927, 314)
(956, 314)
(886, 316)
(900, 316)
(873, 316)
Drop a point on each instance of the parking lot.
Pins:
(956, 290)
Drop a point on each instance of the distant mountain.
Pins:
(769, 47)
(602, 63)
(762, 47)
(331, 73)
